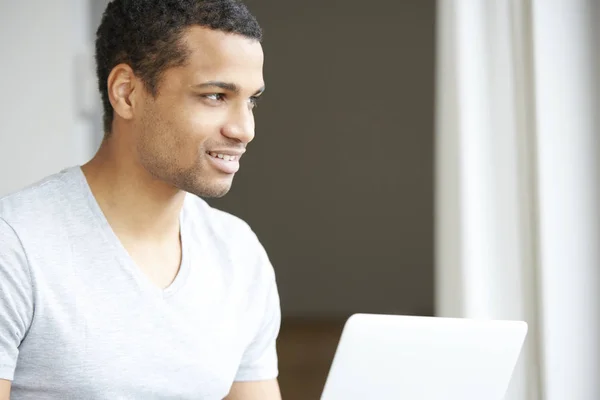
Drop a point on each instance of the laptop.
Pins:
(385, 357)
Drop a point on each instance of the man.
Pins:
(116, 280)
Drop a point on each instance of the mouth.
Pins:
(227, 162)
(224, 156)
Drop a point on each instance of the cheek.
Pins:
(190, 135)
(203, 128)
(182, 131)
(163, 138)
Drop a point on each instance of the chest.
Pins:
(101, 341)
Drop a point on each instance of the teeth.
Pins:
(223, 156)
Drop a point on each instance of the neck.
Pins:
(137, 205)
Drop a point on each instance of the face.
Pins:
(193, 133)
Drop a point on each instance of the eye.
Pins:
(254, 101)
(215, 96)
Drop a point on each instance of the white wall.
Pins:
(40, 132)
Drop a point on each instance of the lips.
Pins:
(227, 162)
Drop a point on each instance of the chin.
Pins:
(212, 189)
(203, 183)
(216, 194)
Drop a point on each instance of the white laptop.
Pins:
(381, 357)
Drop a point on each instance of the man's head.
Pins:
(179, 79)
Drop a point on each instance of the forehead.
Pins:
(229, 57)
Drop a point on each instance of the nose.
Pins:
(240, 125)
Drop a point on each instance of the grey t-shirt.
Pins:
(79, 320)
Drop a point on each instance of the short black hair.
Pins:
(146, 35)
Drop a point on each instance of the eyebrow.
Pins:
(232, 87)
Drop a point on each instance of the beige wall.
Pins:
(339, 181)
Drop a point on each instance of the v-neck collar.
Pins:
(142, 279)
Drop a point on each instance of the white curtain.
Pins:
(518, 182)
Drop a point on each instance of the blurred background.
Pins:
(412, 157)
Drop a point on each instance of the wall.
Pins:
(339, 181)
(40, 132)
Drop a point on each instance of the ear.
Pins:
(123, 86)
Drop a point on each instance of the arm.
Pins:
(256, 378)
(258, 390)
(16, 303)
(4, 389)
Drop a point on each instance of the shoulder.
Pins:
(219, 224)
(230, 236)
(38, 202)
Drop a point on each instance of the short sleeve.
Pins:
(16, 299)
(259, 361)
